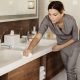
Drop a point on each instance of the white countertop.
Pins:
(11, 59)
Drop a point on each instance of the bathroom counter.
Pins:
(10, 59)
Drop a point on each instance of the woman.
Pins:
(65, 28)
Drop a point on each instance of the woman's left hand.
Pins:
(57, 47)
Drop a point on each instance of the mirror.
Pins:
(11, 10)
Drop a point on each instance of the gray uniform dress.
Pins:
(70, 53)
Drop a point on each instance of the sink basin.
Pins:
(9, 56)
(18, 46)
(45, 42)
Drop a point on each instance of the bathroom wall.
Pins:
(71, 7)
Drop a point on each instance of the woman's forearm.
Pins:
(68, 43)
(34, 42)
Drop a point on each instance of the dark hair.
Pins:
(56, 5)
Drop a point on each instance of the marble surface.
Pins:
(8, 56)
(12, 58)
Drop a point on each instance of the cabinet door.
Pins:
(54, 64)
(29, 71)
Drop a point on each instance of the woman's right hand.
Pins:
(26, 52)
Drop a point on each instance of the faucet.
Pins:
(28, 35)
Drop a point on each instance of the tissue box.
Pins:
(11, 39)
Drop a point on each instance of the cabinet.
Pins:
(52, 63)
(28, 71)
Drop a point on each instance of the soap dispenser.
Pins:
(34, 32)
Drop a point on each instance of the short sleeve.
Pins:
(75, 31)
(43, 26)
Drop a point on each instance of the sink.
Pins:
(9, 56)
(45, 42)
(18, 46)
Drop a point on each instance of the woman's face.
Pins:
(55, 16)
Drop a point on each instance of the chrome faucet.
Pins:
(28, 35)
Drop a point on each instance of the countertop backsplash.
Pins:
(20, 27)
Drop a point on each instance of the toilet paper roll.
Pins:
(43, 73)
(42, 77)
(42, 68)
